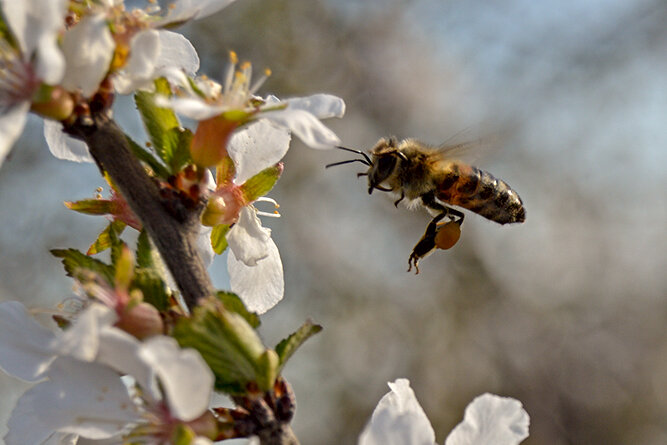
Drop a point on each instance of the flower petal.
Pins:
(88, 399)
(183, 373)
(36, 25)
(321, 106)
(88, 49)
(256, 147)
(184, 10)
(398, 419)
(261, 286)
(305, 126)
(24, 346)
(491, 419)
(247, 239)
(63, 146)
(82, 339)
(12, 122)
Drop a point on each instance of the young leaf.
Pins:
(91, 206)
(162, 126)
(181, 154)
(147, 157)
(262, 182)
(103, 241)
(144, 251)
(153, 288)
(228, 344)
(219, 238)
(233, 303)
(288, 346)
(75, 261)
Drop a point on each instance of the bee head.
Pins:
(385, 158)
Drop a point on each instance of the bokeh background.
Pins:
(566, 312)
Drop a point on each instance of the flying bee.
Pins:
(431, 177)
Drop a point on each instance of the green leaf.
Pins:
(233, 303)
(147, 157)
(288, 346)
(163, 127)
(228, 344)
(75, 262)
(103, 241)
(262, 182)
(91, 206)
(219, 238)
(144, 252)
(151, 285)
(117, 247)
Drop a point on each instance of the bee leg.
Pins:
(426, 244)
(399, 199)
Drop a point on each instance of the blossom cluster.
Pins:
(131, 363)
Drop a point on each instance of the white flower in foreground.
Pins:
(489, 419)
(83, 393)
(35, 24)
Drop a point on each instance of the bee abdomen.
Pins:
(480, 192)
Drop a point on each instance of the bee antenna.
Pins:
(359, 152)
(349, 161)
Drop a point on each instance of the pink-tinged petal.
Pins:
(491, 419)
(261, 286)
(256, 147)
(63, 146)
(184, 10)
(36, 25)
(12, 122)
(305, 126)
(82, 398)
(398, 419)
(322, 106)
(247, 239)
(24, 345)
(88, 49)
(186, 379)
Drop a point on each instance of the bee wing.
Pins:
(472, 150)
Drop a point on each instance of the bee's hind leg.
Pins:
(426, 244)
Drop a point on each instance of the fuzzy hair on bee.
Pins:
(429, 176)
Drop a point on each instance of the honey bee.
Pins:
(431, 177)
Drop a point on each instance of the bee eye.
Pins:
(385, 166)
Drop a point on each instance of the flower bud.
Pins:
(141, 320)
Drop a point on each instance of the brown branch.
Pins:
(175, 240)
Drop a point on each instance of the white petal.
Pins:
(36, 24)
(88, 49)
(321, 106)
(177, 51)
(204, 247)
(25, 350)
(256, 147)
(81, 340)
(247, 239)
(491, 419)
(190, 107)
(63, 146)
(183, 373)
(261, 286)
(184, 10)
(12, 122)
(398, 419)
(88, 399)
(305, 126)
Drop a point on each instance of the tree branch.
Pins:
(175, 240)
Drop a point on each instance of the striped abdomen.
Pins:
(479, 191)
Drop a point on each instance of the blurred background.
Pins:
(566, 312)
